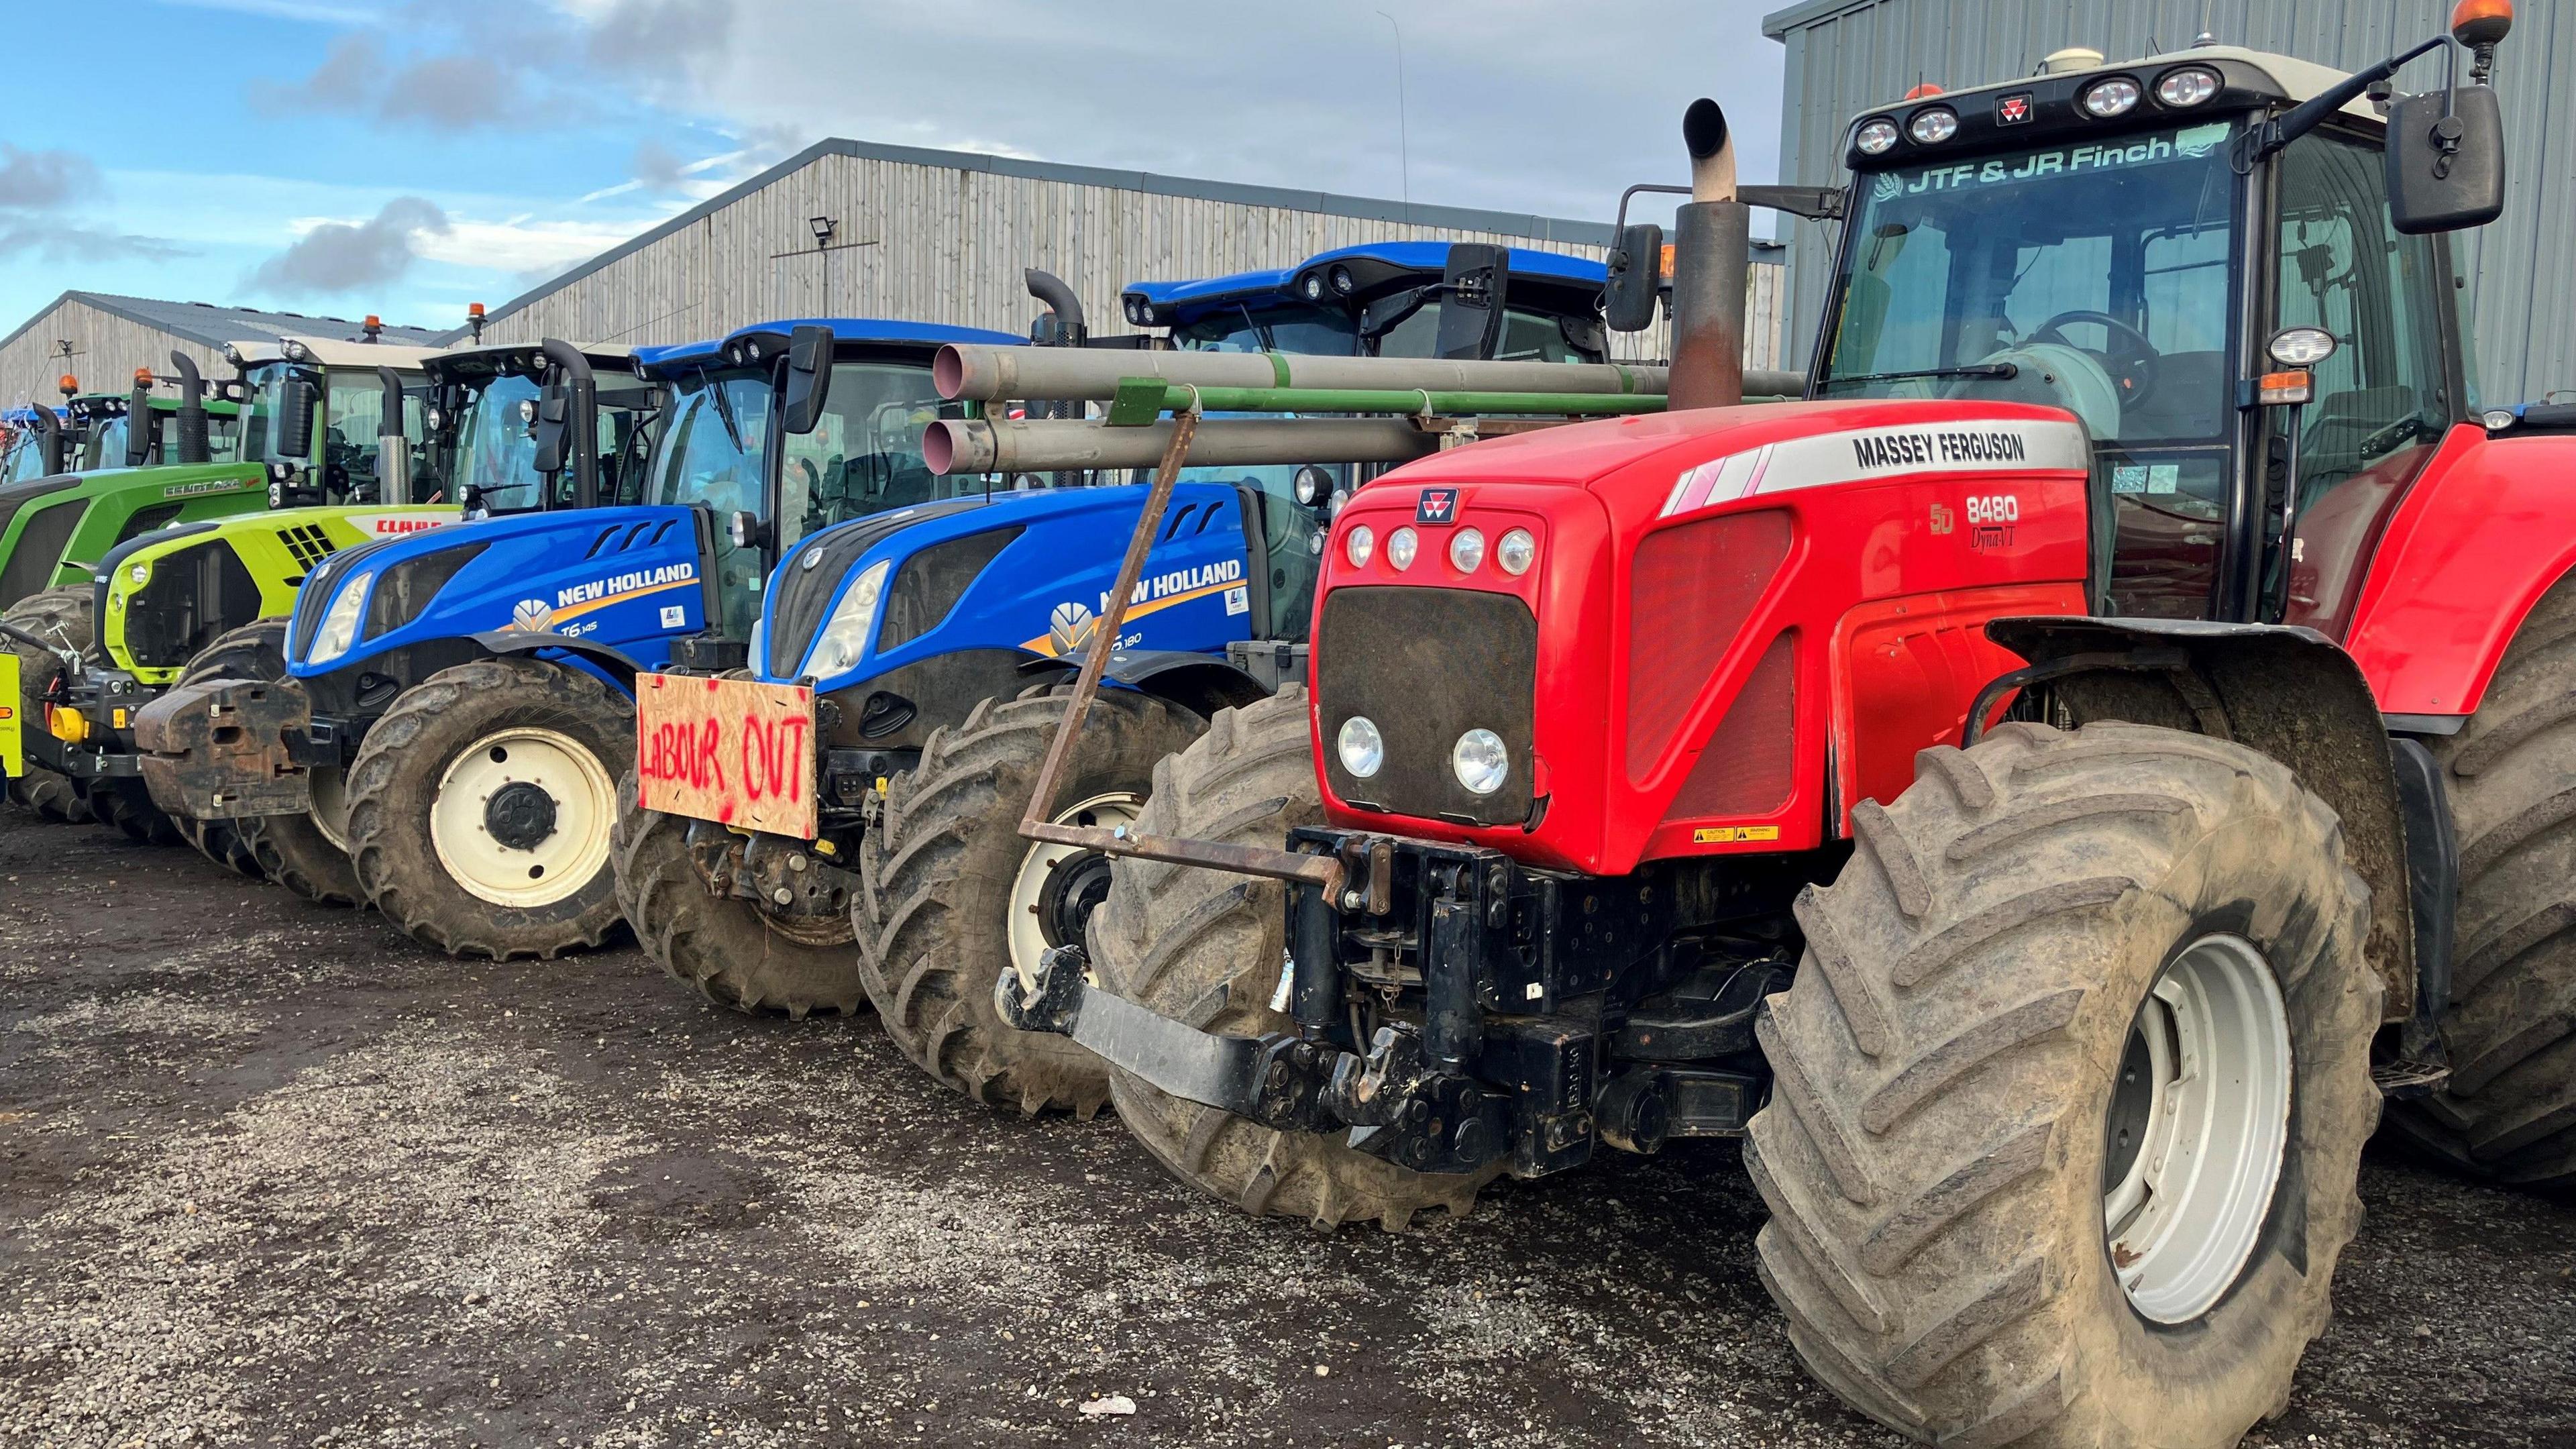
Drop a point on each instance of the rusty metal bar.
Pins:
(1287, 865)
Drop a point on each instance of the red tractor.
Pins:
(2042, 793)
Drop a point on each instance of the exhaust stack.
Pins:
(1712, 257)
(193, 447)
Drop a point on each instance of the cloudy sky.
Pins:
(406, 157)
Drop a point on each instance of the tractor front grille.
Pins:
(1426, 665)
(307, 544)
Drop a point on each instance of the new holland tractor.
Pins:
(913, 653)
(210, 600)
(460, 702)
(2041, 794)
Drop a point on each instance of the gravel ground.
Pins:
(272, 1174)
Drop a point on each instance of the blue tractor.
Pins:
(471, 689)
(938, 640)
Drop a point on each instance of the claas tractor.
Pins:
(913, 660)
(457, 707)
(211, 600)
(2042, 794)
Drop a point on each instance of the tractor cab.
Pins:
(315, 416)
(783, 429)
(488, 420)
(2197, 255)
(109, 438)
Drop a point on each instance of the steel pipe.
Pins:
(987, 373)
(1053, 444)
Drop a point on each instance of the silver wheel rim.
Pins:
(567, 859)
(1028, 937)
(331, 808)
(2199, 1125)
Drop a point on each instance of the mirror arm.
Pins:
(2269, 137)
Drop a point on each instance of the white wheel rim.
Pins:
(1028, 936)
(2184, 1204)
(330, 809)
(550, 869)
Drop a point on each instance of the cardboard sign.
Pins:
(13, 747)
(734, 751)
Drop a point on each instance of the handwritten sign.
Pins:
(734, 751)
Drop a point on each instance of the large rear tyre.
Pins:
(952, 897)
(56, 614)
(256, 650)
(2508, 1112)
(2071, 1092)
(1205, 946)
(732, 952)
(480, 808)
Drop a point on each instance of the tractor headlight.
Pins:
(1516, 551)
(1362, 748)
(2498, 419)
(1359, 546)
(853, 621)
(1466, 550)
(1401, 545)
(1934, 126)
(2189, 86)
(1343, 282)
(1875, 137)
(1311, 286)
(2114, 97)
(340, 623)
(1480, 761)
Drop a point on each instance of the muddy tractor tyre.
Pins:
(1205, 946)
(480, 808)
(733, 953)
(53, 614)
(952, 897)
(2113, 975)
(256, 650)
(130, 810)
(296, 851)
(2508, 1113)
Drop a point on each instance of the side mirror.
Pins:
(553, 427)
(1471, 302)
(297, 401)
(1636, 278)
(140, 424)
(2445, 160)
(809, 378)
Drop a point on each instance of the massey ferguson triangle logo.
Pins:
(1438, 505)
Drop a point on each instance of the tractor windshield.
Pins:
(864, 454)
(711, 454)
(105, 445)
(2094, 277)
(496, 447)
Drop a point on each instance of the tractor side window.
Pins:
(496, 454)
(352, 427)
(864, 454)
(106, 445)
(712, 454)
(1527, 337)
(2379, 407)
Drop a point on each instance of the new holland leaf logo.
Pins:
(1070, 627)
(534, 615)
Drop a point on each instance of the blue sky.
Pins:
(406, 157)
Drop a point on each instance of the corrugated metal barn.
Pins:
(1846, 56)
(854, 229)
(101, 339)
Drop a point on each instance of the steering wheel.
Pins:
(2135, 367)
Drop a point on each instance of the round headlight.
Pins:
(2301, 346)
(1342, 281)
(1934, 125)
(1876, 137)
(2187, 87)
(1466, 550)
(1401, 545)
(528, 410)
(1311, 286)
(1362, 748)
(1136, 311)
(437, 420)
(1313, 485)
(1516, 552)
(2496, 419)
(2114, 97)
(140, 572)
(1359, 545)
(1480, 761)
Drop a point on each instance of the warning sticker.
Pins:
(1733, 834)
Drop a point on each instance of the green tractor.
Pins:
(210, 600)
(56, 529)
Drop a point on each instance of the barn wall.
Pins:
(106, 349)
(1846, 56)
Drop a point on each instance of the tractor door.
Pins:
(352, 428)
(712, 454)
(2382, 401)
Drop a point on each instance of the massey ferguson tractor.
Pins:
(2042, 793)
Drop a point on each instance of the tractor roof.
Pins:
(487, 359)
(876, 331)
(2291, 79)
(1373, 266)
(330, 352)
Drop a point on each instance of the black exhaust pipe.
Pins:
(56, 444)
(192, 411)
(578, 444)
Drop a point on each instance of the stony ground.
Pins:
(271, 1174)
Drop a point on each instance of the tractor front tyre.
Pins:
(2508, 1112)
(54, 614)
(952, 897)
(480, 808)
(127, 806)
(2070, 1094)
(1205, 947)
(735, 954)
(256, 650)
